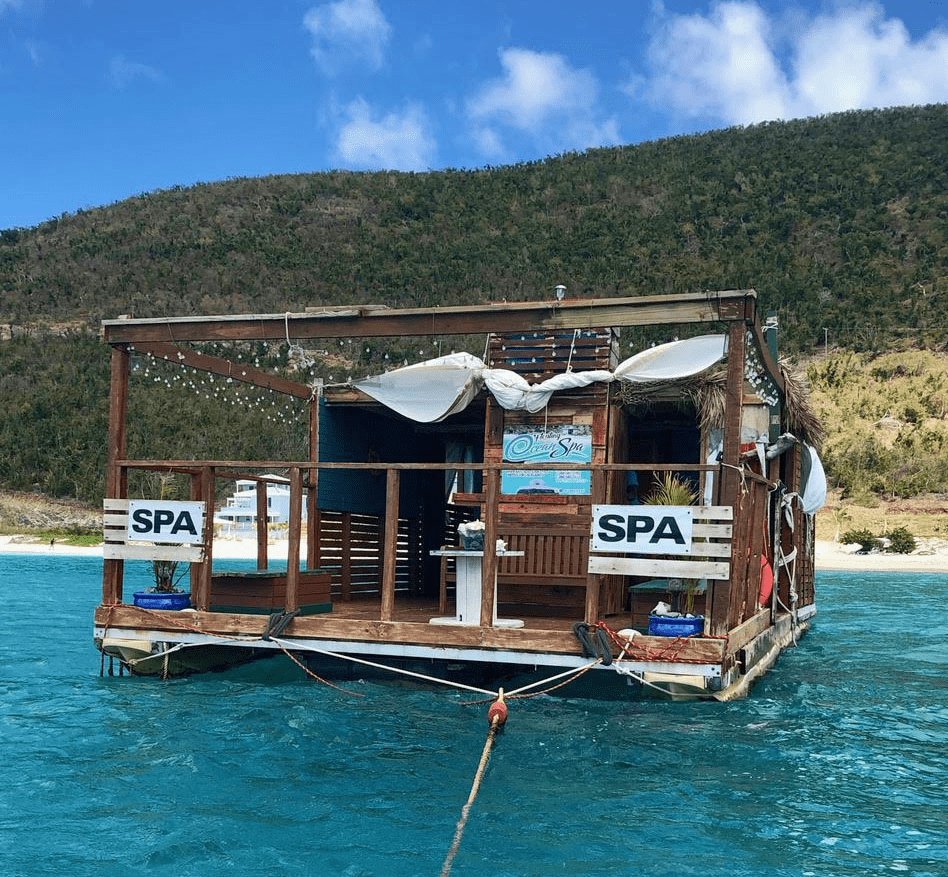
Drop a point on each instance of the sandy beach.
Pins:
(230, 549)
(930, 556)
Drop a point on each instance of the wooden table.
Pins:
(468, 588)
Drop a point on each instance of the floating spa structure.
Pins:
(645, 522)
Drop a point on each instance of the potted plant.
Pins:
(164, 593)
(472, 535)
(673, 491)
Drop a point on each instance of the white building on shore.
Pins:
(238, 517)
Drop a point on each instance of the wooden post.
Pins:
(293, 548)
(116, 479)
(489, 565)
(194, 574)
(312, 488)
(201, 596)
(594, 580)
(723, 592)
(389, 544)
(263, 491)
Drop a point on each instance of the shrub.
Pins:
(866, 541)
(901, 541)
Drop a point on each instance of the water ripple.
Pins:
(834, 767)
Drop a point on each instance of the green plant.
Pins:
(165, 572)
(901, 541)
(864, 538)
(167, 576)
(672, 490)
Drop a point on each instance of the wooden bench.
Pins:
(550, 578)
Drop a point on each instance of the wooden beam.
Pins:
(116, 479)
(233, 467)
(202, 599)
(390, 544)
(692, 650)
(720, 595)
(489, 565)
(262, 490)
(477, 319)
(188, 553)
(312, 488)
(194, 573)
(247, 374)
(753, 627)
(658, 568)
(594, 577)
(293, 546)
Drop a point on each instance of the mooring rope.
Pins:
(313, 675)
(447, 682)
(496, 716)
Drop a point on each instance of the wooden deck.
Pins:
(358, 621)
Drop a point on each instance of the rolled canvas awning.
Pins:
(430, 391)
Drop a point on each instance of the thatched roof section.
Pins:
(706, 394)
(801, 418)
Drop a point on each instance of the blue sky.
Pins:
(104, 99)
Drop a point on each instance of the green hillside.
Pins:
(838, 222)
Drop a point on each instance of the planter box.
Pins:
(662, 625)
(159, 600)
(263, 592)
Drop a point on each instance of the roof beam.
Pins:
(246, 374)
(363, 322)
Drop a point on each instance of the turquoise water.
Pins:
(836, 765)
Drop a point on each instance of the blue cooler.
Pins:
(663, 625)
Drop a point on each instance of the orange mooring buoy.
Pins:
(497, 714)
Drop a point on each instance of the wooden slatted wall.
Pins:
(552, 531)
(350, 547)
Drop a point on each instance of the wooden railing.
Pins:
(367, 554)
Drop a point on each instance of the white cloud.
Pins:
(735, 65)
(123, 72)
(395, 141)
(860, 59)
(542, 96)
(348, 31)
(9, 4)
(35, 52)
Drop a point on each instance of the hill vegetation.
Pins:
(888, 422)
(838, 222)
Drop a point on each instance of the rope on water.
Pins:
(311, 674)
(519, 694)
(496, 716)
(447, 682)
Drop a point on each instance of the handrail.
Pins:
(189, 465)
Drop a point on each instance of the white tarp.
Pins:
(430, 391)
(513, 392)
(673, 361)
(813, 494)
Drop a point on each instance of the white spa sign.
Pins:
(642, 529)
(161, 520)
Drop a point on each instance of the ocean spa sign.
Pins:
(642, 529)
(556, 444)
(157, 520)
